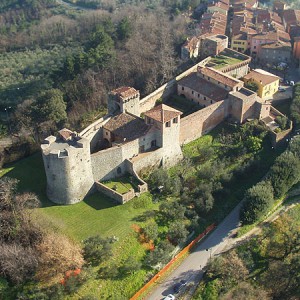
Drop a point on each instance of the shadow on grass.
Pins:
(32, 178)
(99, 201)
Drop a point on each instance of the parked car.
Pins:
(179, 286)
(292, 82)
(170, 297)
(281, 89)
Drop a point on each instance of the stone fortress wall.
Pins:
(75, 169)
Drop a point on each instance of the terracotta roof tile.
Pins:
(218, 76)
(262, 76)
(125, 126)
(125, 92)
(66, 134)
(204, 87)
(163, 113)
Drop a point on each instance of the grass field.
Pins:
(95, 215)
(222, 61)
(122, 184)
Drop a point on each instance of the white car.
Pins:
(170, 297)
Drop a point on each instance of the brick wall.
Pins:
(202, 121)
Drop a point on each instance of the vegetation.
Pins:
(252, 86)
(295, 106)
(222, 61)
(215, 168)
(282, 176)
(265, 267)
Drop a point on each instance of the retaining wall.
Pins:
(121, 198)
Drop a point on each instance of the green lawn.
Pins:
(122, 184)
(95, 215)
(222, 61)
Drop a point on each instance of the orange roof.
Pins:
(261, 76)
(65, 133)
(218, 76)
(163, 113)
(125, 92)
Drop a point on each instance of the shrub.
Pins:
(257, 201)
(284, 173)
(97, 249)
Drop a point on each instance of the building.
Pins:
(239, 42)
(220, 7)
(213, 45)
(276, 53)
(296, 48)
(267, 83)
(190, 49)
(123, 142)
(258, 40)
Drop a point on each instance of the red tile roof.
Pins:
(218, 76)
(203, 87)
(162, 113)
(125, 92)
(263, 77)
(66, 134)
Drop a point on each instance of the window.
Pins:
(168, 124)
(119, 170)
(211, 101)
(175, 120)
(198, 95)
(204, 98)
(192, 92)
(106, 133)
(182, 88)
(254, 47)
(153, 143)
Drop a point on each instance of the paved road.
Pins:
(191, 268)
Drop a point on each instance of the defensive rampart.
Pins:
(202, 121)
(167, 89)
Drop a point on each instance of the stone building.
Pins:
(276, 53)
(122, 142)
(213, 45)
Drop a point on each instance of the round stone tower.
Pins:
(67, 163)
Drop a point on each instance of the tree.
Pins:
(284, 173)
(171, 211)
(97, 249)
(124, 29)
(160, 255)
(245, 291)
(151, 231)
(283, 122)
(257, 201)
(252, 86)
(177, 232)
(50, 106)
(17, 263)
(57, 255)
(229, 269)
(130, 265)
(253, 143)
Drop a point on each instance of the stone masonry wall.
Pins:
(165, 90)
(200, 122)
(121, 198)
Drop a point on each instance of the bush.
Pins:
(257, 201)
(97, 249)
(284, 173)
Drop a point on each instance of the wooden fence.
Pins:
(171, 262)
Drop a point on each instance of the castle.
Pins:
(136, 133)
